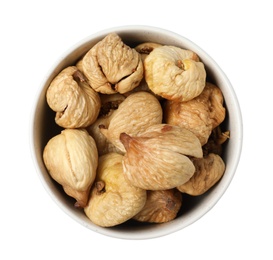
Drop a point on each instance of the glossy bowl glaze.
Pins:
(43, 127)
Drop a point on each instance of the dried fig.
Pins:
(208, 171)
(199, 115)
(161, 206)
(137, 112)
(146, 48)
(71, 158)
(110, 102)
(103, 144)
(113, 200)
(79, 66)
(174, 73)
(111, 66)
(109, 105)
(76, 104)
(157, 158)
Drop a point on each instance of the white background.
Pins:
(236, 34)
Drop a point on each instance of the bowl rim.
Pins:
(164, 230)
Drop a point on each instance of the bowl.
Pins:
(43, 127)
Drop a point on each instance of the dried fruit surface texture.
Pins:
(71, 159)
(76, 104)
(158, 158)
(137, 112)
(110, 104)
(199, 115)
(112, 66)
(174, 73)
(161, 206)
(208, 171)
(113, 199)
(146, 48)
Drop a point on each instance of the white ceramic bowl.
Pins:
(43, 127)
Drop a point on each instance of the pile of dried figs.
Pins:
(141, 126)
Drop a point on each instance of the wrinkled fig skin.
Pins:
(174, 73)
(146, 48)
(76, 104)
(157, 159)
(208, 171)
(161, 206)
(109, 104)
(111, 66)
(142, 87)
(103, 144)
(79, 66)
(71, 158)
(199, 115)
(113, 199)
(137, 112)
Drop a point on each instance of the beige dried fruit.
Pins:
(137, 112)
(109, 104)
(142, 87)
(113, 200)
(112, 66)
(146, 48)
(174, 73)
(103, 144)
(161, 206)
(209, 171)
(79, 66)
(157, 158)
(76, 104)
(199, 115)
(71, 158)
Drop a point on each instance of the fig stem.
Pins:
(78, 205)
(170, 205)
(100, 185)
(125, 139)
(78, 76)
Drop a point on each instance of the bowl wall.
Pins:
(43, 128)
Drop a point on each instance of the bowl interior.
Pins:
(193, 208)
